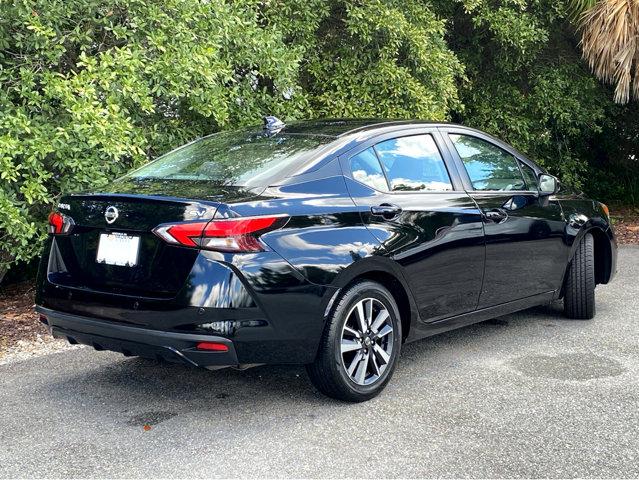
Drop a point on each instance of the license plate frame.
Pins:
(118, 249)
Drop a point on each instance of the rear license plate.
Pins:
(118, 249)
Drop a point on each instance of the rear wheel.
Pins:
(360, 346)
(579, 290)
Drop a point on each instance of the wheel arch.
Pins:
(602, 250)
(386, 273)
(603, 255)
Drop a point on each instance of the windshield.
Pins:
(234, 158)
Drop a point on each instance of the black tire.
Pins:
(329, 371)
(579, 290)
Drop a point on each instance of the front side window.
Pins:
(365, 168)
(488, 166)
(413, 164)
(529, 176)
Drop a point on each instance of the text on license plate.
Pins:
(118, 249)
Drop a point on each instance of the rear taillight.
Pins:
(60, 224)
(224, 235)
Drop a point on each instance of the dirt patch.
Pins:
(22, 336)
(626, 224)
(18, 319)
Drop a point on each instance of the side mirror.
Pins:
(548, 185)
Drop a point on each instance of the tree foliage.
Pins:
(526, 83)
(90, 88)
(371, 59)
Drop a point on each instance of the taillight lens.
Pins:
(60, 224)
(224, 235)
(212, 346)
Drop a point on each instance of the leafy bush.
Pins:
(528, 85)
(371, 59)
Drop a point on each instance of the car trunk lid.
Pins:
(160, 269)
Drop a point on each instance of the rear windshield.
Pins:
(234, 158)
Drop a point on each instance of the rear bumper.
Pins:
(136, 341)
(259, 302)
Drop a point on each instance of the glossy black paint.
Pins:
(451, 258)
(438, 241)
(523, 246)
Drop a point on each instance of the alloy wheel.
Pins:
(367, 341)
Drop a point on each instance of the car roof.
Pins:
(348, 133)
(339, 127)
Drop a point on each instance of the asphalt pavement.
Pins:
(526, 395)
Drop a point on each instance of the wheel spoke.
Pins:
(352, 331)
(369, 312)
(360, 374)
(375, 366)
(381, 353)
(350, 345)
(385, 331)
(354, 363)
(379, 321)
(361, 318)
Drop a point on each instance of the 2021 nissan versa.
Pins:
(326, 243)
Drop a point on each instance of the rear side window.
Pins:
(414, 164)
(488, 166)
(365, 168)
(529, 176)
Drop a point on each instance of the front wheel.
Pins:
(579, 290)
(360, 346)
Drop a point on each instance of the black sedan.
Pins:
(326, 243)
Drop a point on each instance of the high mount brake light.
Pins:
(224, 235)
(60, 224)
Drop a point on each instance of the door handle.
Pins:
(496, 215)
(386, 210)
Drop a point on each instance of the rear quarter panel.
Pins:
(324, 233)
(323, 241)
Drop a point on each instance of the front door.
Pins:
(417, 209)
(524, 232)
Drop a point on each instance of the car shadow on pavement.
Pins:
(146, 392)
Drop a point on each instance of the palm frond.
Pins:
(576, 8)
(610, 44)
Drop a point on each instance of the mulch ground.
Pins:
(626, 224)
(18, 320)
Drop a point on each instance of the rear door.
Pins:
(414, 204)
(524, 232)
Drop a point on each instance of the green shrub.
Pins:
(371, 59)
